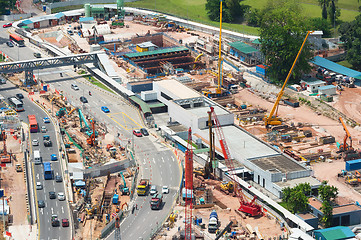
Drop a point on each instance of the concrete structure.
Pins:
(312, 84)
(309, 218)
(328, 90)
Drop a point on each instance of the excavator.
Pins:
(272, 119)
(227, 187)
(91, 140)
(346, 149)
(123, 188)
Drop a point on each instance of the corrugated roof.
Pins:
(27, 21)
(146, 44)
(156, 105)
(59, 15)
(143, 105)
(256, 41)
(86, 19)
(97, 8)
(243, 47)
(326, 87)
(335, 233)
(158, 51)
(323, 62)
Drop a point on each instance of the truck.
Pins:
(143, 186)
(291, 102)
(47, 141)
(156, 201)
(213, 223)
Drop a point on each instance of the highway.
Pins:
(157, 162)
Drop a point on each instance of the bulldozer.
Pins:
(351, 180)
(227, 187)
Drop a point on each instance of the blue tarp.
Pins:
(59, 15)
(27, 21)
(337, 68)
(79, 184)
(86, 19)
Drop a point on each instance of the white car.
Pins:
(153, 190)
(43, 129)
(35, 142)
(74, 87)
(39, 186)
(61, 196)
(165, 190)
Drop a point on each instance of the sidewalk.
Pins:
(23, 232)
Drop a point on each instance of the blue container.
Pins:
(45, 88)
(44, 8)
(243, 106)
(353, 165)
(213, 214)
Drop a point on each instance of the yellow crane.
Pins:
(273, 119)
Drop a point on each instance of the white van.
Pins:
(37, 157)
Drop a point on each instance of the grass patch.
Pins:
(345, 63)
(66, 8)
(94, 81)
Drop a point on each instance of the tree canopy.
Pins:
(296, 199)
(5, 5)
(351, 36)
(282, 32)
(231, 10)
(328, 195)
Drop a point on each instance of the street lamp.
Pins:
(334, 22)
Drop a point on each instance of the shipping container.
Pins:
(291, 102)
(327, 140)
(353, 165)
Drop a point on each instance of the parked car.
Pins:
(52, 195)
(10, 44)
(37, 55)
(74, 87)
(137, 133)
(6, 25)
(144, 132)
(61, 196)
(39, 186)
(165, 190)
(58, 178)
(65, 222)
(83, 99)
(41, 204)
(105, 109)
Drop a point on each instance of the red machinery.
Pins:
(91, 139)
(188, 187)
(5, 157)
(250, 208)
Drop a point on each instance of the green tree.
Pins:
(282, 32)
(232, 10)
(296, 198)
(324, 5)
(327, 214)
(328, 195)
(6, 5)
(333, 11)
(321, 24)
(254, 17)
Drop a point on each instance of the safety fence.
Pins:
(109, 228)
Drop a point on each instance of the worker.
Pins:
(61, 74)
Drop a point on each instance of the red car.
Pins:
(137, 133)
(6, 25)
(65, 222)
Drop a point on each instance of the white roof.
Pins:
(102, 29)
(177, 89)
(146, 44)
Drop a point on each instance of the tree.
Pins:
(296, 198)
(254, 17)
(351, 36)
(324, 5)
(333, 11)
(282, 32)
(321, 24)
(328, 195)
(232, 10)
(6, 5)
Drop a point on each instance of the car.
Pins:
(6, 25)
(144, 132)
(53, 157)
(37, 55)
(19, 96)
(55, 221)
(41, 204)
(83, 99)
(35, 142)
(47, 141)
(61, 196)
(105, 109)
(153, 190)
(65, 222)
(58, 178)
(10, 44)
(165, 190)
(43, 129)
(2, 81)
(46, 120)
(39, 186)
(74, 87)
(52, 195)
(137, 133)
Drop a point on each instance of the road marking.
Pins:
(52, 211)
(42, 211)
(173, 159)
(56, 203)
(162, 159)
(62, 209)
(37, 176)
(144, 161)
(154, 160)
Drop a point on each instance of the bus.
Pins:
(16, 104)
(48, 172)
(34, 127)
(17, 40)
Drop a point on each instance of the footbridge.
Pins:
(42, 63)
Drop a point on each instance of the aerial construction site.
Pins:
(195, 99)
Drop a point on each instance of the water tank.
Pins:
(87, 10)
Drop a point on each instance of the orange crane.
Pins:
(188, 187)
(273, 119)
(91, 139)
(345, 146)
(5, 157)
(250, 208)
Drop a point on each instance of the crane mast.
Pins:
(188, 187)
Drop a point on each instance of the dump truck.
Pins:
(156, 202)
(143, 186)
(213, 223)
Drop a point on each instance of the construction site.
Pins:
(240, 139)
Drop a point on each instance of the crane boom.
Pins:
(219, 90)
(273, 120)
(347, 136)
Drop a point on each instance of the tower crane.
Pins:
(250, 208)
(188, 187)
(273, 119)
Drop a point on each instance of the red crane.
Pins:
(250, 208)
(188, 187)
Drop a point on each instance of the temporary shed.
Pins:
(334, 233)
(328, 90)
(146, 46)
(312, 84)
(323, 62)
(244, 52)
(102, 29)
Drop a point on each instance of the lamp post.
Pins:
(334, 22)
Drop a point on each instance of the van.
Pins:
(37, 157)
